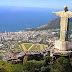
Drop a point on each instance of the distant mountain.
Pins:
(53, 22)
(51, 25)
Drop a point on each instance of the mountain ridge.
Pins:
(51, 25)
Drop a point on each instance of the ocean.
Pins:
(13, 19)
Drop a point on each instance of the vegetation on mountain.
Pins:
(61, 64)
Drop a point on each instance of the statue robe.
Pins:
(64, 23)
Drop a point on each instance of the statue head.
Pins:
(65, 8)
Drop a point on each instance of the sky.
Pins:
(37, 3)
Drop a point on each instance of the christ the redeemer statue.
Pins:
(64, 23)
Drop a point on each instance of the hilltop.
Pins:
(51, 25)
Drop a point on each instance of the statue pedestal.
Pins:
(61, 45)
(61, 48)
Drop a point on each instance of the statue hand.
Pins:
(53, 12)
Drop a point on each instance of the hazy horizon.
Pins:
(37, 3)
(22, 14)
(12, 19)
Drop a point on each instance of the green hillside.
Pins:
(45, 28)
(52, 25)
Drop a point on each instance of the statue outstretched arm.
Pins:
(53, 12)
(57, 13)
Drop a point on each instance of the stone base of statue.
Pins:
(63, 45)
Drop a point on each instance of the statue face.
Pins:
(65, 8)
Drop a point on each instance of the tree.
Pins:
(62, 64)
(47, 59)
(29, 66)
(55, 70)
(3, 70)
(45, 69)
